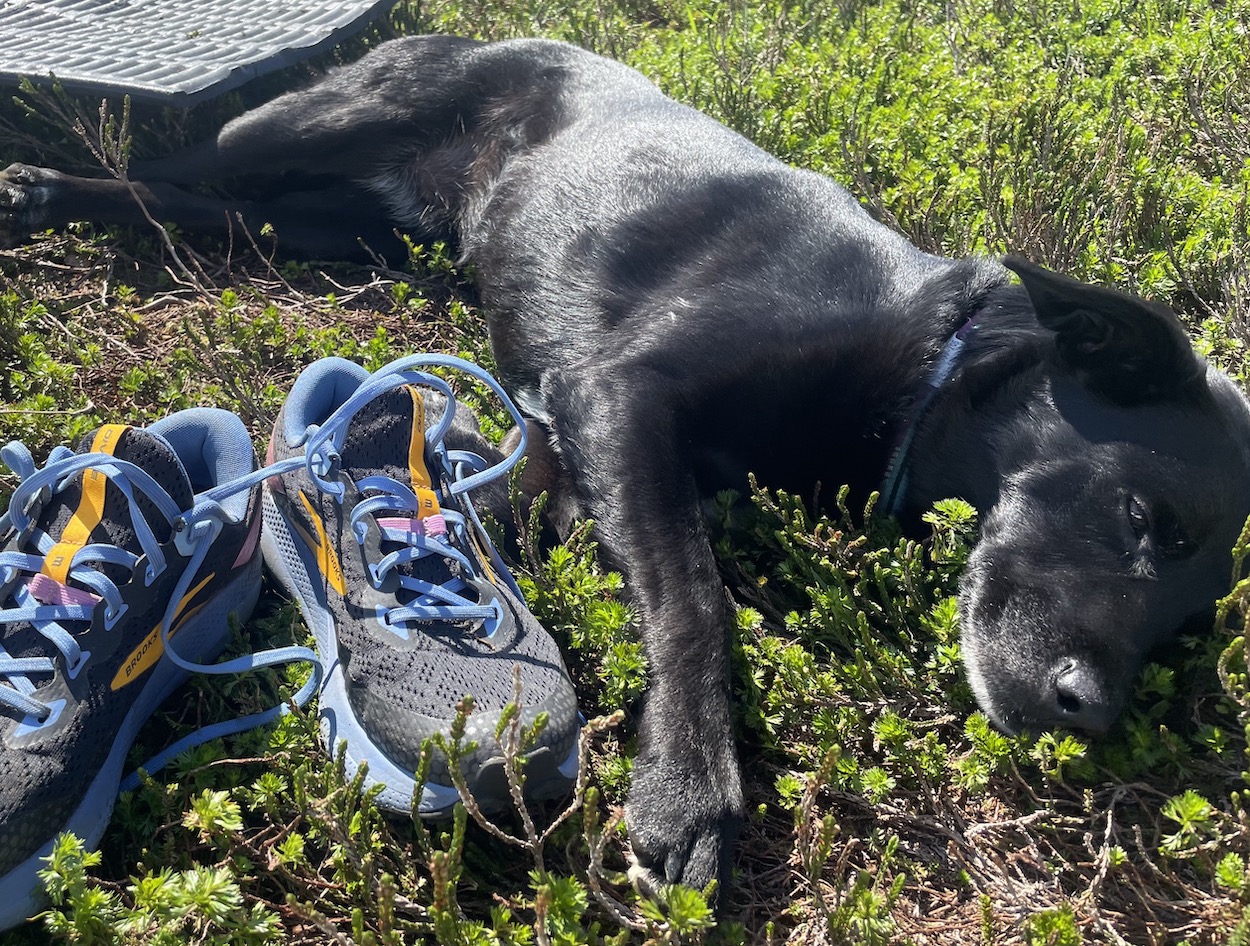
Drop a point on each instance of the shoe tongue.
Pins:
(90, 508)
(386, 437)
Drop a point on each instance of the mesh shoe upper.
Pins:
(423, 611)
(72, 662)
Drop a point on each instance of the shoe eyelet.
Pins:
(191, 535)
(32, 724)
(321, 464)
(111, 619)
(492, 624)
(382, 614)
(76, 668)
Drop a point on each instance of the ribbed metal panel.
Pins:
(175, 51)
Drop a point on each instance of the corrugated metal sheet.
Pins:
(174, 51)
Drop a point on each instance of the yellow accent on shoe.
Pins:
(422, 483)
(327, 561)
(149, 651)
(480, 545)
(90, 511)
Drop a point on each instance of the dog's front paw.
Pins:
(24, 190)
(682, 825)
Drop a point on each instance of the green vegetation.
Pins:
(1107, 139)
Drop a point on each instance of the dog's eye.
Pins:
(1137, 516)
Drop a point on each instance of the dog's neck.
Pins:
(951, 443)
(894, 489)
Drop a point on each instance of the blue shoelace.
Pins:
(48, 614)
(412, 538)
(195, 530)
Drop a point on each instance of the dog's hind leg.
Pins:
(338, 125)
(339, 138)
(35, 198)
(403, 96)
(346, 223)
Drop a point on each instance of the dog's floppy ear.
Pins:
(1128, 349)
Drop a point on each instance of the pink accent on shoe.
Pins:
(274, 482)
(430, 525)
(47, 591)
(249, 544)
(415, 526)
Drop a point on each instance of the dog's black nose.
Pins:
(1081, 698)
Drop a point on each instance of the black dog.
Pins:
(678, 308)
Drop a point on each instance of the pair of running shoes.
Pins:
(124, 563)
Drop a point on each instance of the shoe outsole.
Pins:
(546, 777)
(208, 632)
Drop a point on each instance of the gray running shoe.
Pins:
(369, 526)
(121, 566)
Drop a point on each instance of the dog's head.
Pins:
(1125, 484)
